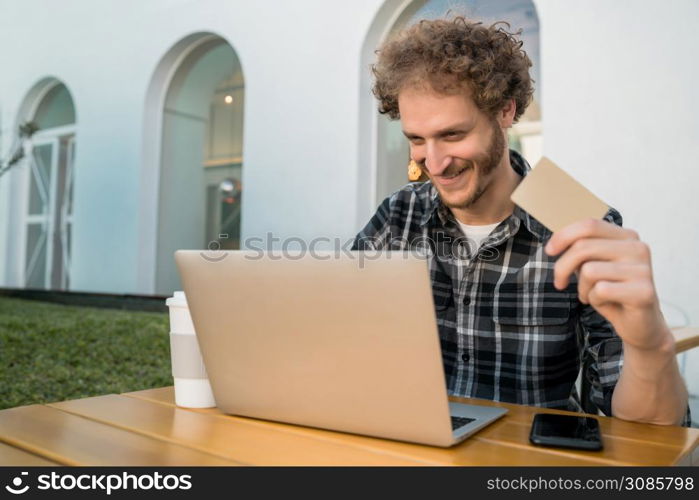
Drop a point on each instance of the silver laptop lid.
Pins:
(334, 341)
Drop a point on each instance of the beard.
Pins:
(482, 166)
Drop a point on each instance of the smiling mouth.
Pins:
(455, 174)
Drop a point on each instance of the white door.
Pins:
(49, 212)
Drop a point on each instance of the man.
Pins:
(517, 307)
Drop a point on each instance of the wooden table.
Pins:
(146, 428)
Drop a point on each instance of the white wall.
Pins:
(621, 113)
(301, 65)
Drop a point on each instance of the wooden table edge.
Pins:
(40, 452)
(55, 463)
(149, 435)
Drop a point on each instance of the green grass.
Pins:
(51, 352)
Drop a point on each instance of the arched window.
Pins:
(48, 216)
(200, 186)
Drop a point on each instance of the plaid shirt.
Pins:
(507, 334)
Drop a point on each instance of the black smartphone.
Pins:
(566, 431)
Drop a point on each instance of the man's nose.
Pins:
(436, 161)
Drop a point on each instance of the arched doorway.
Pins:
(389, 154)
(200, 185)
(47, 181)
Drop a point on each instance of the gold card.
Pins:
(554, 198)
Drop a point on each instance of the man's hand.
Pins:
(615, 277)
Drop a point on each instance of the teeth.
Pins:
(454, 175)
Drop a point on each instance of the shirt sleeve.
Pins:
(381, 231)
(604, 354)
(377, 231)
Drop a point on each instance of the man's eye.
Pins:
(453, 135)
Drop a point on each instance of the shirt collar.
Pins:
(519, 164)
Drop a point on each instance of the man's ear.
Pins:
(506, 116)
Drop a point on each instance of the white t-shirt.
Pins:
(477, 233)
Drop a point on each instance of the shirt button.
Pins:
(467, 300)
(465, 357)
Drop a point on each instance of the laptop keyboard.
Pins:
(457, 422)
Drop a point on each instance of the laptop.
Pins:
(346, 342)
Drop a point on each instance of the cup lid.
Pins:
(178, 299)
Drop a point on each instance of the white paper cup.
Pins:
(192, 387)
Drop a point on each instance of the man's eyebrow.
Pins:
(459, 127)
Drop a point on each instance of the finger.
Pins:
(588, 228)
(593, 271)
(638, 293)
(597, 250)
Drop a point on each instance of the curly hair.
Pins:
(453, 56)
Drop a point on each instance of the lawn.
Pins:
(52, 352)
